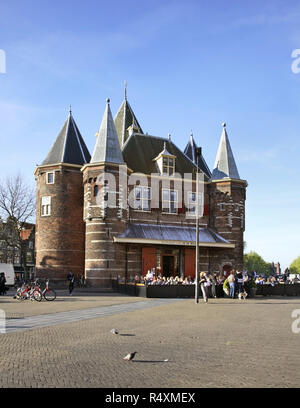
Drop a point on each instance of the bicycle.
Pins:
(29, 291)
(47, 293)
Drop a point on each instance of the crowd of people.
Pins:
(232, 285)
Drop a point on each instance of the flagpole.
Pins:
(197, 231)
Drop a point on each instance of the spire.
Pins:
(69, 146)
(190, 152)
(124, 119)
(125, 90)
(225, 166)
(107, 148)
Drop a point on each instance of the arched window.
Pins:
(95, 190)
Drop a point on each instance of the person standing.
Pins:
(240, 282)
(2, 283)
(204, 286)
(71, 279)
(214, 283)
(231, 280)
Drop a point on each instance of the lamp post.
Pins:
(198, 154)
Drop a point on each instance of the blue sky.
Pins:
(188, 64)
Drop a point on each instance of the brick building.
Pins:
(130, 206)
(19, 252)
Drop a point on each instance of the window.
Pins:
(29, 257)
(17, 259)
(192, 202)
(169, 201)
(222, 207)
(236, 207)
(96, 189)
(46, 206)
(168, 166)
(50, 177)
(30, 245)
(142, 198)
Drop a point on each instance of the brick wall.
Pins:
(60, 237)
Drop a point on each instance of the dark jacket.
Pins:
(71, 277)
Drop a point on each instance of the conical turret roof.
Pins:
(225, 166)
(125, 118)
(69, 146)
(107, 148)
(190, 152)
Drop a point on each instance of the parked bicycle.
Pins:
(33, 291)
(29, 291)
(48, 293)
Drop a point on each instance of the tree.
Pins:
(254, 262)
(17, 208)
(295, 266)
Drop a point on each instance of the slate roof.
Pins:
(140, 151)
(190, 151)
(107, 148)
(69, 146)
(172, 233)
(225, 166)
(124, 118)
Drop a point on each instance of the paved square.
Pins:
(225, 343)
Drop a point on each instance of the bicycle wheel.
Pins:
(49, 294)
(37, 295)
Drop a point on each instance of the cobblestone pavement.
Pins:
(63, 303)
(225, 343)
(32, 322)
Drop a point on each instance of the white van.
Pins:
(8, 269)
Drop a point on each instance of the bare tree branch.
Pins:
(17, 207)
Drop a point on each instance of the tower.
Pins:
(227, 203)
(60, 233)
(105, 206)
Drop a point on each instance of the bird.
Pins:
(129, 356)
(114, 331)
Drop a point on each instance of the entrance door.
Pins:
(148, 259)
(168, 265)
(190, 262)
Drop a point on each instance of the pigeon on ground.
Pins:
(129, 356)
(114, 331)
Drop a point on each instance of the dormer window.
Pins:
(166, 162)
(168, 166)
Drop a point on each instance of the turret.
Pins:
(104, 210)
(60, 233)
(228, 195)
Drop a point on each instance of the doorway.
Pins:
(168, 265)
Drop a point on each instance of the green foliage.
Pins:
(295, 266)
(254, 262)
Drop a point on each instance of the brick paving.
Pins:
(225, 343)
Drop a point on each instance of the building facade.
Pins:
(131, 206)
(19, 252)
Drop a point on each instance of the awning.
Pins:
(171, 235)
